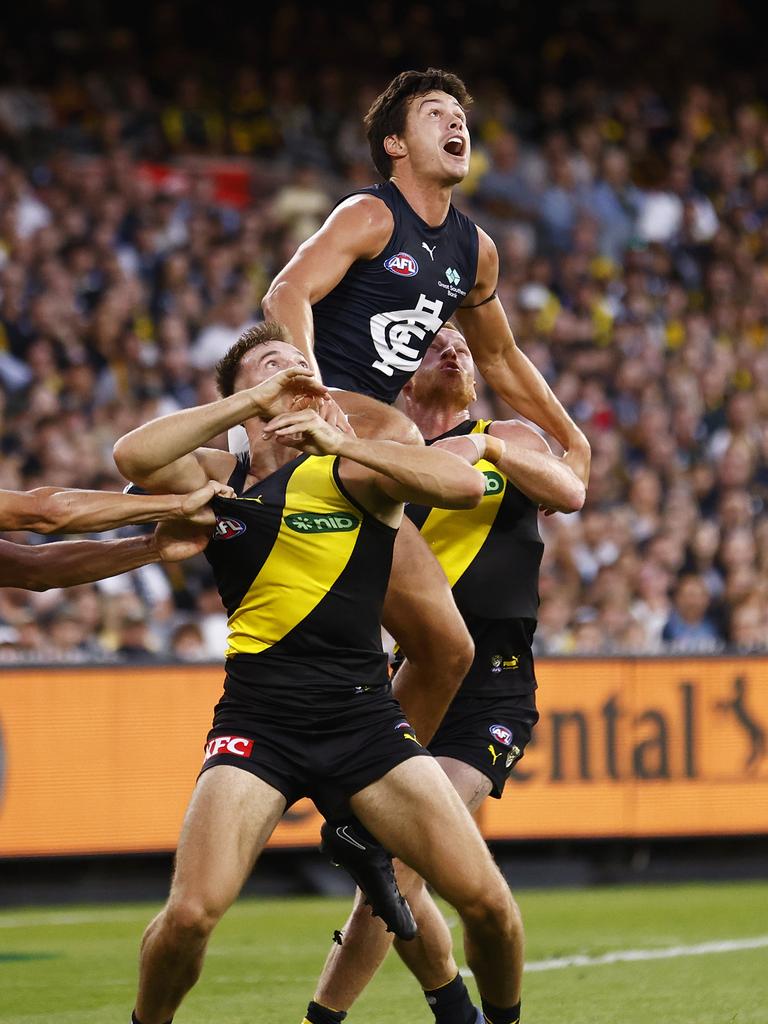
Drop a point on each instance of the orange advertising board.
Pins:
(104, 759)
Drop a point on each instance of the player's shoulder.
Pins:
(366, 208)
(362, 224)
(518, 433)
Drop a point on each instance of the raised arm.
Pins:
(59, 510)
(382, 474)
(168, 452)
(358, 229)
(508, 370)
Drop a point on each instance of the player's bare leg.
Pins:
(419, 610)
(462, 871)
(351, 965)
(230, 817)
(421, 614)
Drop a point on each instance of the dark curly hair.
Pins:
(388, 111)
(229, 364)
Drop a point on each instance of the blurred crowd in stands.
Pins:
(141, 221)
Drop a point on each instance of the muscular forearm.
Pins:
(162, 441)
(514, 378)
(543, 478)
(428, 476)
(69, 563)
(51, 510)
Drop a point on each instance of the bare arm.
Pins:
(357, 229)
(70, 563)
(527, 460)
(58, 510)
(167, 452)
(508, 370)
(390, 470)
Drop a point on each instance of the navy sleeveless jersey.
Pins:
(372, 330)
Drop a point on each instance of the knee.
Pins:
(189, 920)
(493, 910)
(455, 647)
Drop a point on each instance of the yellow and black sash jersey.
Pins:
(491, 554)
(302, 570)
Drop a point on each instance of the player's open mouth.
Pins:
(455, 145)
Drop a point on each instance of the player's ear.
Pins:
(394, 146)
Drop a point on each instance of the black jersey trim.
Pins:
(240, 472)
(477, 305)
(370, 517)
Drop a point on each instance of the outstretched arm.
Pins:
(508, 370)
(59, 510)
(70, 563)
(386, 470)
(358, 229)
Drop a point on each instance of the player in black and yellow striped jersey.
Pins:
(491, 555)
(302, 557)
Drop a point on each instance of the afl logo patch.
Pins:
(501, 733)
(402, 264)
(228, 528)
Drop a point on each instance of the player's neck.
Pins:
(430, 201)
(267, 457)
(437, 420)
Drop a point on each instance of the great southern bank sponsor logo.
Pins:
(402, 264)
(323, 522)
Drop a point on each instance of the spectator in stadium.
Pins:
(689, 628)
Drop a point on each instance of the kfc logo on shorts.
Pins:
(237, 745)
(501, 733)
(228, 528)
(402, 264)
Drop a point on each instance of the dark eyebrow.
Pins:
(434, 99)
(272, 352)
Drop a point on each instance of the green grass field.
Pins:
(77, 965)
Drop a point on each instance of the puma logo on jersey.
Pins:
(493, 753)
(430, 251)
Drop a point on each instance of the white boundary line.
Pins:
(635, 955)
(74, 917)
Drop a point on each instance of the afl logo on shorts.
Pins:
(402, 264)
(227, 528)
(501, 733)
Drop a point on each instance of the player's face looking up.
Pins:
(265, 361)
(435, 141)
(447, 370)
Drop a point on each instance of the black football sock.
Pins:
(135, 1019)
(501, 1014)
(318, 1014)
(451, 1003)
